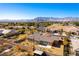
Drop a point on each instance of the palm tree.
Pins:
(66, 43)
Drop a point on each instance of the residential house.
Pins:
(46, 40)
(58, 28)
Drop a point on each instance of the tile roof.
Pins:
(44, 37)
(65, 28)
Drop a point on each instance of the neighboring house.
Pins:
(6, 31)
(1, 32)
(32, 27)
(38, 53)
(77, 52)
(74, 43)
(41, 28)
(41, 53)
(9, 33)
(72, 29)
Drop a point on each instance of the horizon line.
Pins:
(36, 17)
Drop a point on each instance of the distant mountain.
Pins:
(13, 20)
(42, 19)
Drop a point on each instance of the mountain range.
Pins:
(42, 19)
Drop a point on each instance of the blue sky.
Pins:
(32, 10)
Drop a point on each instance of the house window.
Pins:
(73, 33)
(43, 43)
(55, 31)
(57, 43)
